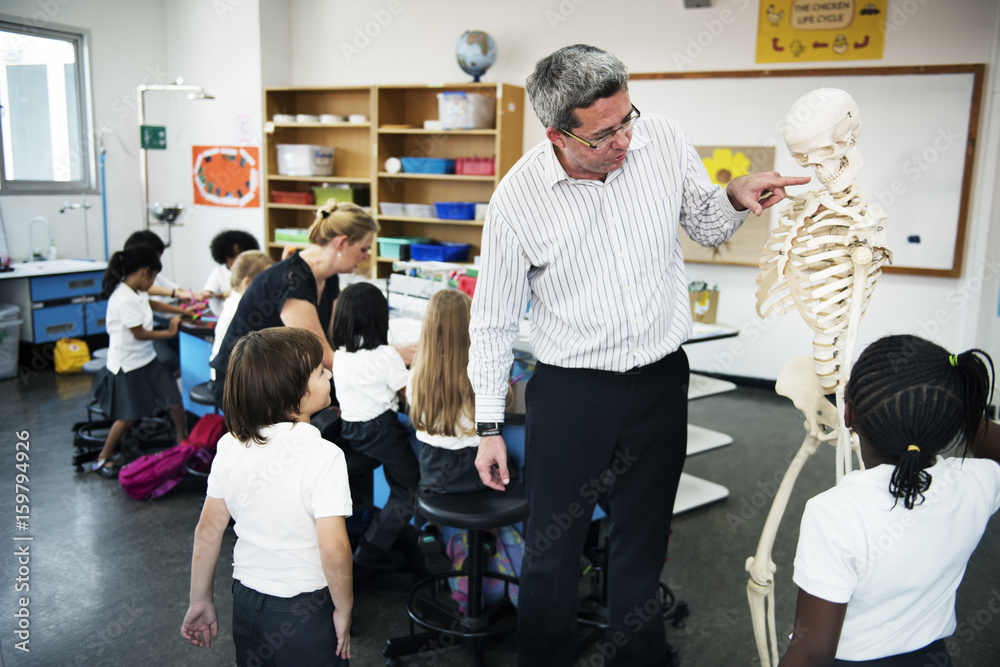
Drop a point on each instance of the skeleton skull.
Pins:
(821, 131)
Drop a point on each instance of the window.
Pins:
(45, 120)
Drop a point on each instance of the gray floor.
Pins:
(108, 576)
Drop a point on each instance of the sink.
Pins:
(52, 266)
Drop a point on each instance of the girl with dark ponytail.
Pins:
(881, 555)
(133, 384)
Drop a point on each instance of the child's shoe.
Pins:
(370, 556)
(432, 546)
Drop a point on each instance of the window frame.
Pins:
(80, 39)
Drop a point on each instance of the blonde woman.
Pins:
(300, 291)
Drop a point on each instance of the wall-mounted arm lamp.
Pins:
(193, 93)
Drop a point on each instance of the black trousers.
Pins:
(279, 632)
(621, 438)
(387, 441)
(934, 654)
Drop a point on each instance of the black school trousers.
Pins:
(621, 438)
(387, 441)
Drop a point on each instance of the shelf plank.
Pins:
(361, 180)
(401, 130)
(324, 126)
(432, 221)
(437, 177)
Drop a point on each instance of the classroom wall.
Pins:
(235, 47)
(357, 43)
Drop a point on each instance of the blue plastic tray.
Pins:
(428, 165)
(455, 210)
(439, 252)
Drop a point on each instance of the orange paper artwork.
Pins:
(226, 176)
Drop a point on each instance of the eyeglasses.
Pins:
(610, 136)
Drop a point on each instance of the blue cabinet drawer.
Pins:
(66, 285)
(58, 322)
(94, 314)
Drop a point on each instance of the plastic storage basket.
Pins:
(300, 198)
(359, 196)
(291, 235)
(475, 166)
(389, 247)
(439, 252)
(455, 210)
(428, 165)
(305, 160)
(466, 111)
(391, 208)
(419, 210)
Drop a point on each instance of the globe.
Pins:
(476, 53)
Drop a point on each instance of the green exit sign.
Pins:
(154, 137)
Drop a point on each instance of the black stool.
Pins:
(477, 512)
(92, 368)
(593, 611)
(201, 395)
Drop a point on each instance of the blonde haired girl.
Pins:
(442, 405)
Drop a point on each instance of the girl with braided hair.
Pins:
(881, 555)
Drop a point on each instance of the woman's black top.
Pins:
(260, 306)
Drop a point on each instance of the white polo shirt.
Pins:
(127, 309)
(275, 492)
(897, 569)
(367, 381)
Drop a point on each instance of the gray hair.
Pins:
(574, 77)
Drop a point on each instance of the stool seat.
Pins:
(479, 510)
(94, 366)
(201, 394)
(101, 353)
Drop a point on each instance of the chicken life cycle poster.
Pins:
(799, 31)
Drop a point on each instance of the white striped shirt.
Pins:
(601, 259)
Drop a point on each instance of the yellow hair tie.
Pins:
(913, 448)
(953, 359)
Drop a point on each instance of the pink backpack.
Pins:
(153, 475)
(506, 560)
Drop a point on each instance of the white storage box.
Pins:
(419, 210)
(466, 111)
(391, 208)
(305, 160)
(10, 335)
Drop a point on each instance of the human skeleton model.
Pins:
(823, 259)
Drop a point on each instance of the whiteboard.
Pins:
(917, 140)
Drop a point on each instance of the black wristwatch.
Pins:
(485, 429)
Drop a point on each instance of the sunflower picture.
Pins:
(723, 164)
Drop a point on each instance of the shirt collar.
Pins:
(554, 171)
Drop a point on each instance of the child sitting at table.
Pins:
(368, 374)
(442, 409)
(244, 270)
(225, 247)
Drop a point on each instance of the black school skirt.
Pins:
(140, 393)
